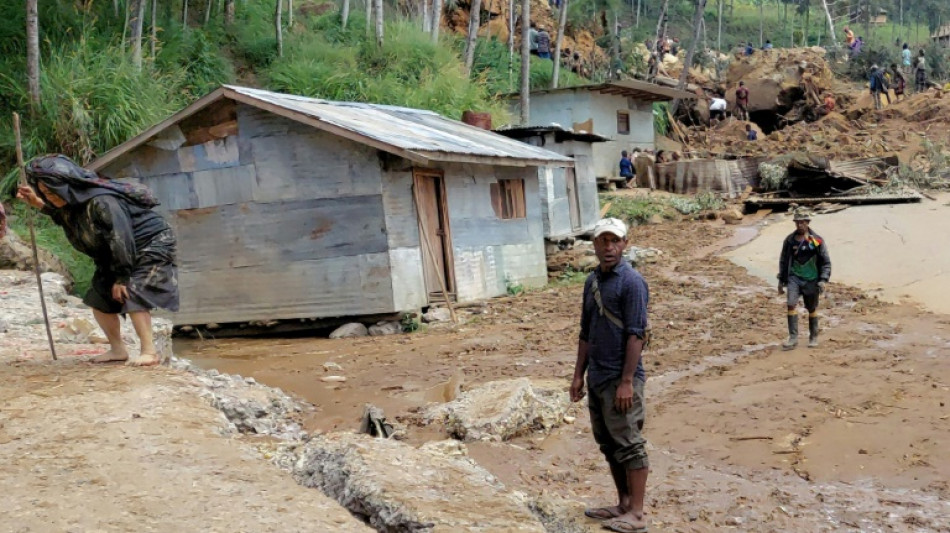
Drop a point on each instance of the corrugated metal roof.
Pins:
(636, 89)
(419, 135)
(410, 129)
(516, 132)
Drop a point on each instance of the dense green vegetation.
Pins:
(94, 97)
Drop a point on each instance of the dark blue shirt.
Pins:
(626, 167)
(624, 293)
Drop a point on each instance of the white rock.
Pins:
(333, 379)
(437, 314)
(392, 327)
(353, 329)
(502, 410)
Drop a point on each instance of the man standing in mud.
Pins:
(804, 268)
(613, 331)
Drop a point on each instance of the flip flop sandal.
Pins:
(601, 513)
(622, 526)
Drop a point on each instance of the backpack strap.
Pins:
(604, 312)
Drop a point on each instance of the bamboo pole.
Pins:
(29, 221)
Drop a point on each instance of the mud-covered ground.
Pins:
(744, 436)
(849, 435)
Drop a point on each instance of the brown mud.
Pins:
(850, 435)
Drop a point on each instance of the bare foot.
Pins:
(627, 523)
(145, 359)
(604, 513)
(110, 357)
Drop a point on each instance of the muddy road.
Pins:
(850, 435)
(743, 436)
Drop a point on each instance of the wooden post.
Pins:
(435, 265)
(29, 220)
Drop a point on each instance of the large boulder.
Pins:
(399, 488)
(502, 410)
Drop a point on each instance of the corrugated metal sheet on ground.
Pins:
(863, 169)
(908, 196)
(409, 129)
(727, 177)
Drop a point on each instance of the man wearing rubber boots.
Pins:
(613, 334)
(804, 269)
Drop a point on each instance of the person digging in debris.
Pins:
(544, 44)
(848, 37)
(906, 56)
(717, 108)
(533, 38)
(751, 134)
(829, 104)
(920, 73)
(804, 268)
(900, 82)
(877, 84)
(132, 247)
(742, 102)
(613, 335)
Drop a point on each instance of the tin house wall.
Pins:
(581, 109)
(488, 253)
(277, 220)
(555, 192)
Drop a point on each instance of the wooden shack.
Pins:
(289, 207)
(569, 202)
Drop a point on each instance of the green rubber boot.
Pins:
(792, 341)
(812, 331)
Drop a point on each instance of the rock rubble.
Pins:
(399, 488)
(502, 410)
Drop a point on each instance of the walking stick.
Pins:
(29, 222)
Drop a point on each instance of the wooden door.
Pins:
(573, 200)
(434, 236)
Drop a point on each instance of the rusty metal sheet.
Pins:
(417, 130)
(726, 177)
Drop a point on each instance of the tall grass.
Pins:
(409, 70)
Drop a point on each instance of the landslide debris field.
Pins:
(787, 88)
